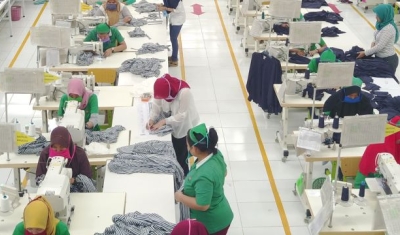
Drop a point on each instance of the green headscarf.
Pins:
(199, 129)
(386, 14)
(103, 28)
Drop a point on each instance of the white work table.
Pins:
(347, 220)
(108, 97)
(93, 212)
(146, 193)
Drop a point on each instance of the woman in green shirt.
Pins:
(39, 219)
(204, 185)
(88, 102)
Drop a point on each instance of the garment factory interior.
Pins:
(259, 185)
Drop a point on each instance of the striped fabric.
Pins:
(109, 135)
(34, 147)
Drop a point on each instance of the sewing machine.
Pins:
(59, 87)
(56, 188)
(90, 22)
(388, 167)
(74, 121)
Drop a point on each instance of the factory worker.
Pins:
(327, 56)
(385, 36)
(177, 17)
(115, 12)
(203, 189)
(189, 227)
(61, 144)
(348, 101)
(367, 166)
(174, 98)
(88, 102)
(110, 36)
(39, 219)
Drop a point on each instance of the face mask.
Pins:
(79, 99)
(29, 233)
(63, 153)
(351, 100)
(105, 39)
(111, 6)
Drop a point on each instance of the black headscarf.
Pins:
(335, 103)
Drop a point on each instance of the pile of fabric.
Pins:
(315, 4)
(164, 130)
(137, 33)
(330, 17)
(34, 147)
(109, 135)
(151, 48)
(83, 184)
(85, 58)
(145, 67)
(331, 32)
(144, 6)
(157, 157)
(138, 224)
(134, 22)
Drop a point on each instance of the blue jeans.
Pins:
(174, 31)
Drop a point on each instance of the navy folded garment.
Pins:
(280, 30)
(315, 4)
(331, 32)
(366, 79)
(339, 53)
(375, 67)
(371, 87)
(330, 17)
(297, 59)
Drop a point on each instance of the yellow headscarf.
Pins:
(39, 214)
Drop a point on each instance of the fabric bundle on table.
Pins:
(153, 16)
(34, 147)
(331, 32)
(145, 67)
(144, 6)
(137, 33)
(83, 184)
(109, 135)
(151, 48)
(85, 58)
(330, 17)
(137, 223)
(315, 4)
(135, 22)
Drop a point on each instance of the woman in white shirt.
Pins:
(173, 97)
(177, 17)
(386, 35)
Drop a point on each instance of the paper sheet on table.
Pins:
(309, 139)
(320, 219)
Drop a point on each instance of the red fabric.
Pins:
(222, 232)
(334, 8)
(189, 227)
(391, 145)
(167, 87)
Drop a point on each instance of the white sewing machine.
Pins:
(90, 22)
(388, 167)
(56, 188)
(59, 87)
(74, 121)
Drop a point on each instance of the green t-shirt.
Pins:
(115, 38)
(91, 107)
(206, 184)
(61, 229)
(321, 44)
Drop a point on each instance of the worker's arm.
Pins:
(126, 14)
(121, 42)
(94, 110)
(204, 192)
(100, 11)
(41, 168)
(91, 37)
(19, 229)
(185, 96)
(84, 165)
(170, 6)
(62, 104)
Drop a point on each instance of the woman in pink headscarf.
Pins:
(189, 227)
(88, 102)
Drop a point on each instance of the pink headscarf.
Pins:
(76, 87)
(189, 227)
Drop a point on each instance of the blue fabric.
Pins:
(374, 68)
(174, 31)
(315, 4)
(297, 59)
(323, 16)
(280, 30)
(331, 32)
(264, 72)
(352, 54)
(371, 87)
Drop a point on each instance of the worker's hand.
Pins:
(361, 54)
(150, 125)
(89, 125)
(127, 19)
(301, 53)
(161, 7)
(72, 181)
(313, 52)
(178, 196)
(158, 125)
(108, 52)
(372, 44)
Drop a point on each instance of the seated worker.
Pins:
(88, 102)
(367, 166)
(327, 56)
(348, 101)
(39, 219)
(110, 36)
(61, 144)
(115, 12)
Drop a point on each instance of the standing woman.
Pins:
(385, 36)
(203, 189)
(88, 102)
(39, 219)
(173, 97)
(177, 17)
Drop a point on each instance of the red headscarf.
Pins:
(167, 87)
(189, 227)
(391, 145)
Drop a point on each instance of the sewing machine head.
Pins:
(74, 121)
(90, 22)
(390, 170)
(56, 188)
